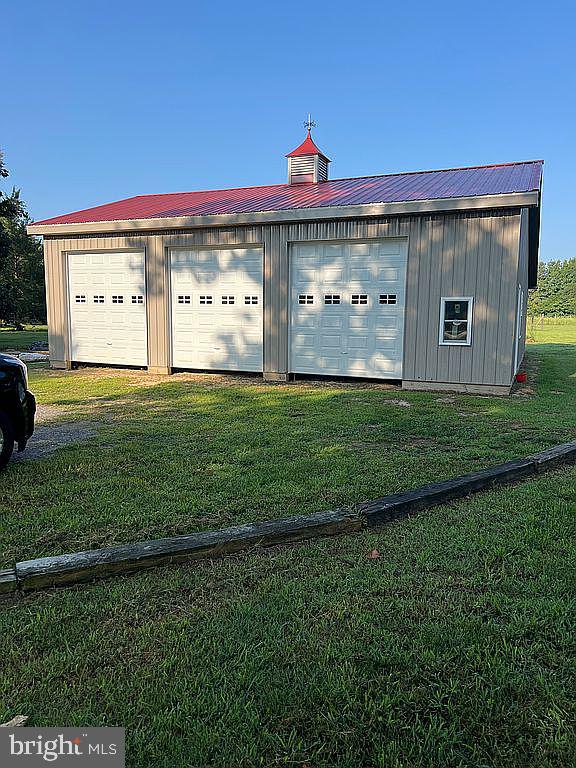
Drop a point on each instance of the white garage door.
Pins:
(217, 309)
(347, 308)
(107, 300)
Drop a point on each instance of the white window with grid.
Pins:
(455, 321)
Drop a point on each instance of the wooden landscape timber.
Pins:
(99, 563)
(62, 569)
(397, 505)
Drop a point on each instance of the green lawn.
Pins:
(21, 340)
(184, 453)
(551, 330)
(453, 649)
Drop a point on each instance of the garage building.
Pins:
(416, 277)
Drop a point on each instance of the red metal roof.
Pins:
(401, 187)
(307, 148)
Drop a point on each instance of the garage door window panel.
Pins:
(221, 328)
(107, 328)
(358, 273)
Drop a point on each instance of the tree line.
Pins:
(556, 292)
(22, 294)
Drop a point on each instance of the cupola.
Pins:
(307, 163)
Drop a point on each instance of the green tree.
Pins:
(556, 292)
(22, 296)
(3, 169)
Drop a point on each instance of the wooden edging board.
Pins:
(98, 563)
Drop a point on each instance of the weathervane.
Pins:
(309, 124)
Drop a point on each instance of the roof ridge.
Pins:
(440, 170)
(343, 178)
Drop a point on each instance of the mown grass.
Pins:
(18, 341)
(453, 648)
(551, 330)
(186, 454)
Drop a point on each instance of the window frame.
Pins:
(441, 341)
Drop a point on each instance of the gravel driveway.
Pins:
(48, 436)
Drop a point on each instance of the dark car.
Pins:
(17, 407)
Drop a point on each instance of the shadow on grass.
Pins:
(177, 456)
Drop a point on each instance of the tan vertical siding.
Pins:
(412, 295)
(471, 254)
(420, 295)
(157, 303)
(56, 301)
(282, 309)
(270, 293)
(458, 266)
(492, 278)
(462, 255)
(522, 279)
(470, 264)
(446, 267)
(508, 297)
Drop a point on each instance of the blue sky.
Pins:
(105, 100)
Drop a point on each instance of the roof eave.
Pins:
(295, 153)
(512, 200)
